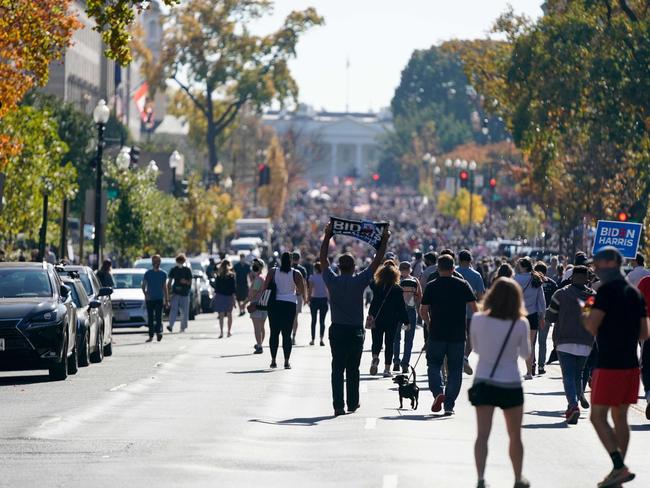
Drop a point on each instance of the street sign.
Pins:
(624, 236)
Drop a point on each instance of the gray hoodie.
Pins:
(565, 310)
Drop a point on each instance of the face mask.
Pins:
(609, 274)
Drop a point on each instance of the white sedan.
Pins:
(129, 307)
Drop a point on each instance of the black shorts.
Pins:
(499, 396)
(533, 321)
(242, 294)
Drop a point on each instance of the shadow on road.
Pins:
(559, 425)
(424, 417)
(24, 380)
(252, 371)
(234, 356)
(545, 413)
(545, 393)
(298, 421)
(640, 427)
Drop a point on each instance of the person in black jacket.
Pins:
(389, 311)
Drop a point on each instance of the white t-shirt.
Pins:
(286, 286)
(487, 334)
(637, 274)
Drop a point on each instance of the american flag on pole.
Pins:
(140, 99)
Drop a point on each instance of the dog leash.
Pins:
(418, 360)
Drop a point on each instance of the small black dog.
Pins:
(407, 390)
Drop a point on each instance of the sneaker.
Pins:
(528, 376)
(293, 341)
(437, 402)
(373, 366)
(221, 336)
(572, 415)
(467, 368)
(322, 343)
(481, 484)
(405, 369)
(584, 403)
(541, 370)
(258, 349)
(338, 412)
(150, 339)
(287, 365)
(353, 409)
(449, 413)
(273, 364)
(616, 477)
(169, 328)
(522, 483)
(387, 373)
(311, 343)
(396, 366)
(159, 337)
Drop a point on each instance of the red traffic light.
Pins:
(375, 177)
(623, 216)
(493, 182)
(464, 175)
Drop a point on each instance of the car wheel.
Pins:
(59, 371)
(108, 349)
(84, 350)
(73, 361)
(98, 355)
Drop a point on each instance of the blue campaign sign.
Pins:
(624, 236)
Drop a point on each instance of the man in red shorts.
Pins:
(619, 321)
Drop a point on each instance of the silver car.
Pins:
(129, 307)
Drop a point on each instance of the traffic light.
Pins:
(493, 183)
(464, 178)
(623, 216)
(264, 175)
(134, 154)
(375, 177)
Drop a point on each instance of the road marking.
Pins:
(389, 481)
(371, 423)
(118, 387)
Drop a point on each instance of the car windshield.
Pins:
(75, 295)
(127, 280)
(23, 283)
(85, 281)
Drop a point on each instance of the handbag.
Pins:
(478, 391)
(370, 319)
(267, 298)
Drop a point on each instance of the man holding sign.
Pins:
(346, 290)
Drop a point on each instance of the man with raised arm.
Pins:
(346, 333)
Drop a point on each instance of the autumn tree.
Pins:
(570, 87)
(274, 196)
(210, 53)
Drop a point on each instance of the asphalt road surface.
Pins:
(197, 411)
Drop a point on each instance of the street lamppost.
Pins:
(100, 116)
(472, 167)
(123, 158)
(176, 164)
(42, 238)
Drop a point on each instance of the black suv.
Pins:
(38, 320)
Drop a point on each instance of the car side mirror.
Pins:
(105, 291)
(64, 291)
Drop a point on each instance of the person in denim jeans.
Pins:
(443, 310)
(156, 296)
(573, 343)
(412, 298)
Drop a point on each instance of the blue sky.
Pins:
(378, 37)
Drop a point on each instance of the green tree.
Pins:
(210, 53)
(36, 166)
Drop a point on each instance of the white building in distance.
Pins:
(343, 144)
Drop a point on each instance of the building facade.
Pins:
(335, 145)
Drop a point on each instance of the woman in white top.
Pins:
(500, 336)
(288, 283)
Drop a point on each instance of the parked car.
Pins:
(95, 291)
(166, 264)
(129, 307)
(38, 320)
(90, 343)
(206, 290)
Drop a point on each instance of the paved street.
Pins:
(197, 411)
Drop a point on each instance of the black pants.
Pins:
(387, 333)
(281, 315)
(154, 316)
(645, 366)
(317, 305)
(346, 343)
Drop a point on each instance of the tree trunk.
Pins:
(211, 132)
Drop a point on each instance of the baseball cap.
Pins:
(609, 253)
(404, 265)
(580, 259)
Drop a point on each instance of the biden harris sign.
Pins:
(624, 236)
